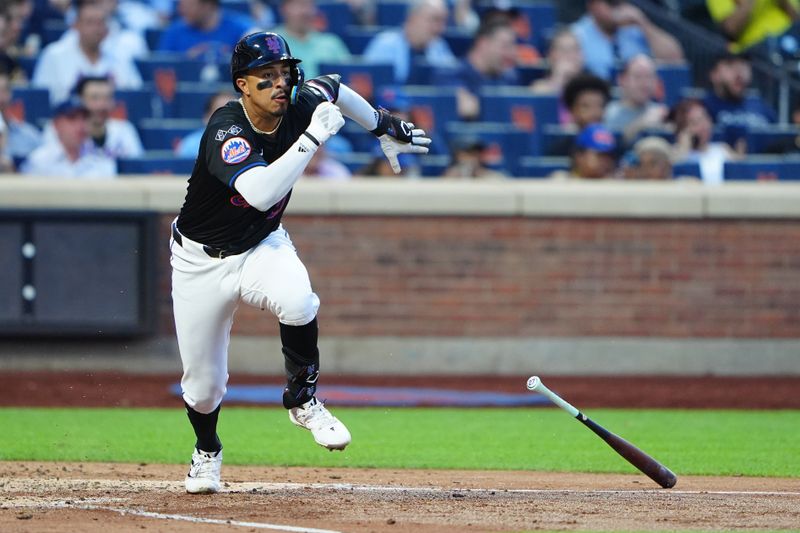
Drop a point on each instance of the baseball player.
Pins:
(228, 245)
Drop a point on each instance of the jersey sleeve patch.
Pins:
(235, 150)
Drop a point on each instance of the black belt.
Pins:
(217, 253)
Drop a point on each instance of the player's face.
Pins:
(275, 81)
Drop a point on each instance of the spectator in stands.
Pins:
(491, 61)
(504, 11)
(594, 155)
(190, 144)
(115, 137)
(467, 160)
(564, 62)
(613, 31)
(21, 137)
(63, 62)
(6, 163)
(18, 42)
(379, 166)
(121, 42)
(693, 133)
(323, 166)
(650, 159)
(7, 62)
(585, 97)
(71, 154)
(636, 110)
(420, 38)
(304, 41)
(746, 23)
(205, 31)
(727, 102)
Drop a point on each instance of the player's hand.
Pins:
(399, 137)
(325, 121)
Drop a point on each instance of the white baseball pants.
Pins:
(206, 292)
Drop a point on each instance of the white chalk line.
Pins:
(163, 516)
(242, 487)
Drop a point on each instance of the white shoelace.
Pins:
(203, 465)
(317, 415)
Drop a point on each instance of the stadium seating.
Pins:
(334, 16)
(31, 104)
(517, 106)
(686, 169)
(774, 139)
(504, 145)
(165, 134)
(431, 107)
(361, 76)
(541, 167)
(536, 22)
(674, 79)
(137, 104)
(358, 37)
(354, 161)
(180, 68)
(763, 168)
(156, 162)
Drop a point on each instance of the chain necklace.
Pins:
(262, 132)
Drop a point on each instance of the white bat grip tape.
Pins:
(535, 384)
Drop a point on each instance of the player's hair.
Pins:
(585, 83)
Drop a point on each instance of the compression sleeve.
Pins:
(263, 186)
(354, 106)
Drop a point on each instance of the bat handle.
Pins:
(535, 384)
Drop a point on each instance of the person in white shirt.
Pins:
(113, 136)
(63, 62)
(71, 155)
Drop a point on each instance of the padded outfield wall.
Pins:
(513, 277)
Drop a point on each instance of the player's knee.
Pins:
(204, 401)
(298, 309)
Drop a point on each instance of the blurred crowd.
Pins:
(506, 89)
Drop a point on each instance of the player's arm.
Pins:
(264, 185)
(396, 135)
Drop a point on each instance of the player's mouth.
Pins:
(281, 97)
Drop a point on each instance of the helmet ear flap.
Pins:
(298, 78)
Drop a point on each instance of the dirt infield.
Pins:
(117, 497)
(94, 497)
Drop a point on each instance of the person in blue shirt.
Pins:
(728, 102)
(613, 31)
(491, 61)
(204, 31)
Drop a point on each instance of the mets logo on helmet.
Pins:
(273, 45)
(235, 150)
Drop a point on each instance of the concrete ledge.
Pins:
(596, 356)
(529, 198)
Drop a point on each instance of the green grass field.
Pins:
(750, 443)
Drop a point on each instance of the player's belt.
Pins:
(217, 253)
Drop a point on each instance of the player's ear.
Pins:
(241, 83)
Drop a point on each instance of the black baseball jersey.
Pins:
(214, 213)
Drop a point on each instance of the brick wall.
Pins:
(529, 277)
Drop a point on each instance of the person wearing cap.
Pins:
(467, 161)
(594, 155)
(71, 154)
(613, 31)
(650, 159)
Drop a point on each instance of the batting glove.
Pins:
(325, 121)
(399, 137)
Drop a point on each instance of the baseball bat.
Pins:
(646, 464)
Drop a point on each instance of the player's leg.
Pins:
(274, 278)
(204, 300)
